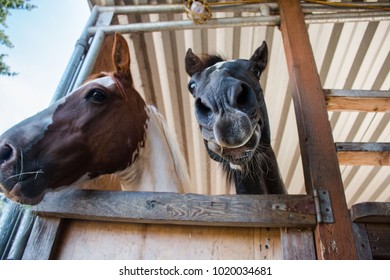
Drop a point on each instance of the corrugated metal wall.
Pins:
(353, 55)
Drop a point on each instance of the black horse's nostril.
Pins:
(202, 110)
(242, 98)
(5, 153)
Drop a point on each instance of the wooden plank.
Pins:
(319, 158)
(377, 154)
(267, 244)
(93, 240)
(361, 241)
(357, 100)
(371, 212)
(379, 237)
(173, 208)
(42, 239)
(297, 244)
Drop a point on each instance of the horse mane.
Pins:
(211, 59)
(206, 60)
(173, 145)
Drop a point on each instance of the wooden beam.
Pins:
(371, 212)
(377, 154)
(357, 100)
(319, 158)
(183, 209)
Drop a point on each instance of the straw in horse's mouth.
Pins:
(20, 175)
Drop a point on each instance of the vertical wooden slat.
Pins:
(297, 244)
(321, 169)
(362, 241)
(42, 239)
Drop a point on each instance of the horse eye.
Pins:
(191, 87)
(257, 72)
(96, 96)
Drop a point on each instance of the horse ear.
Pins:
(260, 56)
(121, 55)
(193, 63)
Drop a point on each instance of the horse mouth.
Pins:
(238, 155)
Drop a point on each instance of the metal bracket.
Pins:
(323, 207)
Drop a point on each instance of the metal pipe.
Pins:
(238, 21)
(187, 24)
(90, 59)
(180, 8)
(347, 17)
(73, 64)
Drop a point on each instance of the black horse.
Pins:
(232, 116)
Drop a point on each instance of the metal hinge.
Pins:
(323, 207)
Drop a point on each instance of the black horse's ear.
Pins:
(193, 63)
(260, 56)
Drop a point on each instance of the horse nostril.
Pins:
(203, 111)
(5, 153)
(242, 98)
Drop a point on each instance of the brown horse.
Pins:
(103, 127)
(232, 116)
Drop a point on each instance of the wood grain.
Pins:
(361, 241)
(377, 154)
(371, 212)
(173, 208)
(379, 238)
(357, 100)
(94, 240)
(319, 158)
(297, 244)
(42, 239)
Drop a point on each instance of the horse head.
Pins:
(232, 114)
(96, 129)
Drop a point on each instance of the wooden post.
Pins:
(321, 168)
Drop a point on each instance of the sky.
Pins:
(44, 39)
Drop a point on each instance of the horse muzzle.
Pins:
(12, 184)
(241, 154)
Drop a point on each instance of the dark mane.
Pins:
(209, 60)
(197, 64)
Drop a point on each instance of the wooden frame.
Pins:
(371, 225)
(319, 158)
(294, 215)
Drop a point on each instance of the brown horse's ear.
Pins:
(260, 56)
(193, 63)
(121, 55)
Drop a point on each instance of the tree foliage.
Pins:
(5, 7)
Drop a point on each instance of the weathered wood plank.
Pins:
(357, 100)
(173, 208)
(41, 241)
(363, 153)
(297, 244)
(371, 212)
(379, 238)
(319, 158)
(93, 240)
(361, 241)
(267, 244)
